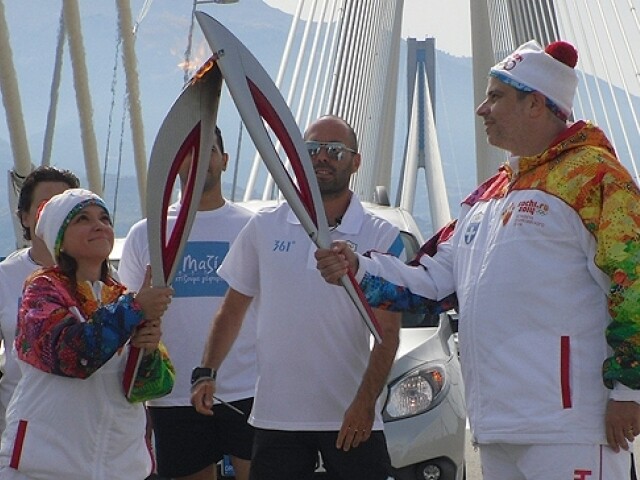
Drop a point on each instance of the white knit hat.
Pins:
(55, 214)
(550, 72)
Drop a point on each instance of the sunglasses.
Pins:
(334, 150)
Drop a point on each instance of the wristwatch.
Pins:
(200, 374)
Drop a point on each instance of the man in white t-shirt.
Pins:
(189, 445)
(39, 186)
(319, 381)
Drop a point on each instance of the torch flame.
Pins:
(204, 69)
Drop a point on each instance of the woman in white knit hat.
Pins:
(69, 417)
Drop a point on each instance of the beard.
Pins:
(337, 182)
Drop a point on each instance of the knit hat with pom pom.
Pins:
(549, 71)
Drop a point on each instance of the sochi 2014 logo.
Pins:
(533, 208)
(529, 212)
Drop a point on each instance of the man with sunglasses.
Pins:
(319, 381)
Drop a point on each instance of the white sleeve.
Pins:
(240, 268)
(135, 257)
(432, 279)
(622, 393)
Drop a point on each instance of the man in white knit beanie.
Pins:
(544, 262)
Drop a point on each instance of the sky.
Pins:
(450, 25)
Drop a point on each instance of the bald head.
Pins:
(335, 124)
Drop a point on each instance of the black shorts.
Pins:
(283, 455)
(186, 441)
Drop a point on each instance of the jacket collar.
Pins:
(580, 134)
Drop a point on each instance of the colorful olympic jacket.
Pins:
(545, 265)
(68, 417)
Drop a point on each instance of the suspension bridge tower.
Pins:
(421, 149)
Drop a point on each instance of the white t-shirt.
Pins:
(13, 272)
(313, 347)
(198, 294)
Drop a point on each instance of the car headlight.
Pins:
(415, 392)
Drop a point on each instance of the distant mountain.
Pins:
(160, 45)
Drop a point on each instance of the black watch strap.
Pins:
(200, 374)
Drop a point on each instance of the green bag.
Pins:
(155, 376)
